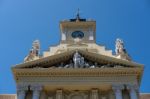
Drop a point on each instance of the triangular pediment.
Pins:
(85, 59)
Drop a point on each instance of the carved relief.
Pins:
(79, 61)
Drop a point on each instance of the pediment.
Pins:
(77, 59)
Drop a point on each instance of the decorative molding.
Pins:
(52, 74)
(78, 72)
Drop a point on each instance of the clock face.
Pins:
(77, 34)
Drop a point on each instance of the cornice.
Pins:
(77, 72)
(53, 74)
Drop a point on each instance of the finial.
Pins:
(78, 14)
(77, 17)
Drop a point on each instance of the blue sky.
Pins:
(23, 21)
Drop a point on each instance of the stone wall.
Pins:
(8, 96)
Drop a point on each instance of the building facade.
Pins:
(78, 68)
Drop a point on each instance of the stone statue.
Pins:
(120, 50)
(77, 59)
(36, 48)
(119, 46)
(34, 52)
(82, 63)
(78, 62)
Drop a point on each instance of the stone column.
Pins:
(21, 94)
(21, 91)
(133, 91)
(94, 94)
(59, 94)
(36, 91)
(118, 91)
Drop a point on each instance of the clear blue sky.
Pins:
(22, 21)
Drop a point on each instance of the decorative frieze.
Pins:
(77, 72)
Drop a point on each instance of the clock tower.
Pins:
(78, 30)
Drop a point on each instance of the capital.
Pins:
(132, 87)
(118, 87)
(59, 91)
(36, 87)
(94, 90)
(22, 87)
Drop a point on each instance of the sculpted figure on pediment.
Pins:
(34, 52)
(78, 60)
(120, 47)
(120, 50)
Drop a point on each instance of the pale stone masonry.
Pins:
(78, 68)
(8, 96)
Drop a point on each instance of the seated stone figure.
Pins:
(77, 60)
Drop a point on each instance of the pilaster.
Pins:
(59, 94)
(94, 94)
